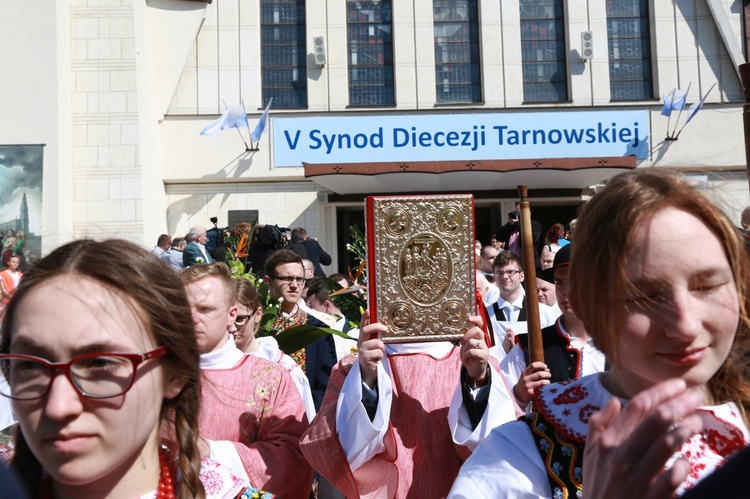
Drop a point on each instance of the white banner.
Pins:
(357, 139)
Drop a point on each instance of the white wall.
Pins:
(35, 103)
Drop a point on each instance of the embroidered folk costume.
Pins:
(285, 321)
(269, 350)
(217, 480)
(541, 456)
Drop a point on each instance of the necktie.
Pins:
(508, 311)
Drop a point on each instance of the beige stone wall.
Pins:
(108, 194)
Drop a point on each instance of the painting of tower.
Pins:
(21, 196)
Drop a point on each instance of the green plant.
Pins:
(358, 248)
(352, 305)
(289, 339)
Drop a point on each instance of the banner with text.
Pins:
(445, 137)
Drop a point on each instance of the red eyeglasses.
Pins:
(94, 375)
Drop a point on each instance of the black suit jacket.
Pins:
(320, 357)
(317, 256)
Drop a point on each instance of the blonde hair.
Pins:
(218, 270)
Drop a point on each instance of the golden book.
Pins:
(421, 266)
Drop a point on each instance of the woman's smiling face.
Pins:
(683, 319)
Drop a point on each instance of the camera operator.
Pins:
(265, 240)
(309, 248)
(217, 241)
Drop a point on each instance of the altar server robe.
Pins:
(419, 451)
(253, 410)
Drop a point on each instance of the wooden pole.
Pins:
(536, 349)
(745, 79)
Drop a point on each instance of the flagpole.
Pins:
(700, 102)
(669, 116)
(261, 126)
(238, 128)
(677, 121)
(247, 149)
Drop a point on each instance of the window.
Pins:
(456, 51)
(283, 53)
(628, 41)
(543, 51)
(370, 53)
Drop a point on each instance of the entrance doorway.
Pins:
(488, 220)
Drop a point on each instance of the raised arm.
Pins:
(626, 451)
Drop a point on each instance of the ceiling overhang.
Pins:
(466, 176)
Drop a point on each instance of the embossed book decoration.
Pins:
(420, 260)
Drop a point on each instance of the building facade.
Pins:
(369, 97)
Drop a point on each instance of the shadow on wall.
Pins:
(187, 208)
(659, 150)
(710, 41)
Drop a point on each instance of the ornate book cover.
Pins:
(420, 260)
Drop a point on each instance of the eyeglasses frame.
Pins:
(64, 367)
(503, 273)
(301, 281)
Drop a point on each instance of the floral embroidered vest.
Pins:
(559, 426)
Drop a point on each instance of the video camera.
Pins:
(270, 235)
(216, 235)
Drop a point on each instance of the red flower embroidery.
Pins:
(572, 395)
(585, 413)
(724, 444)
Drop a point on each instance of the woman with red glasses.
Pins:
(101, 361)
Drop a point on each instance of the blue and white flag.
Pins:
(673, 100)
(233, 117)
(698, 105)
(255, 136)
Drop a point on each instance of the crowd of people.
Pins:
(139, 381)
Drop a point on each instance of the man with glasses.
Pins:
(251, 412)
(285, 276)
(508, 313)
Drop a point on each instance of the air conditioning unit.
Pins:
(587, 45)
(319, 50)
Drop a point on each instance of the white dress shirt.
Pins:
(592, 359)
(547, 316)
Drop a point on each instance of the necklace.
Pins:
(165, 490)
(166, 486)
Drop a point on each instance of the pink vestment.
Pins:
(420, 459)
(256, 406)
